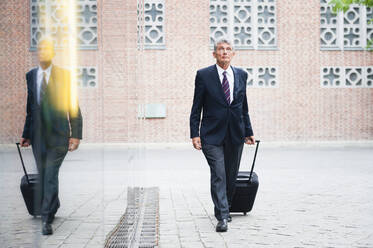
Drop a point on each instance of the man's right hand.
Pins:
(197, 143)
(24, 142)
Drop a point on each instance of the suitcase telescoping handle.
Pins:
(23, 165)
(256, 151)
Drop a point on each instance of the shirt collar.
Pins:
(221, 70)
(47, 71)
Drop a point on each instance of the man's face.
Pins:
(224, 53)
(45, 51)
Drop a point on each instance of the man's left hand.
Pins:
(250, 140)
(73, 144)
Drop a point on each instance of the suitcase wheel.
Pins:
(244, 213)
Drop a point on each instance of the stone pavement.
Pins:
(309, 196)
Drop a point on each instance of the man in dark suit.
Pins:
(53, 126)
(220, 92)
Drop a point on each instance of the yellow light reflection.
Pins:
(65, 35)
(72, 47)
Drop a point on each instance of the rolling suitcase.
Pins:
(247, 184)
(29, 187)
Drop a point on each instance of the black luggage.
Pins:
(29, 187)
(247, 184)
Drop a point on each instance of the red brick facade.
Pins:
(299, 109)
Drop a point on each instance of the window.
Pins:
(47, 17)
(87, 77)
(347, 77)
(250, 24)
(261, 77)
(345, 31)
(150, 24)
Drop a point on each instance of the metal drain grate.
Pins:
(139, 226)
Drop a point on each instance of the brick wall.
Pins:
(297, 110)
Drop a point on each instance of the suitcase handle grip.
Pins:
(23, 165)
(252, 166)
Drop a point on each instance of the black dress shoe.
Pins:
(47, 228)
(222, 225)
(229, 218)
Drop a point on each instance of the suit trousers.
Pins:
(48, 160)
(224, 161)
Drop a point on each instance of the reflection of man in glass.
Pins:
(220, 93)
(53, 126)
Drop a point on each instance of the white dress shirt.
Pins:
(230, 78)
(39, 80)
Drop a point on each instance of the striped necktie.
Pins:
(43, 88)
(225, 86)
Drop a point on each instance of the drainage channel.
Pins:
(139, 226)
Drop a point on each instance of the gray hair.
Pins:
(222, 40)
(48, 40)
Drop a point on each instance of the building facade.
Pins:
(310, 76)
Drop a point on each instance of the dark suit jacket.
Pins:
(55, 118)
(218, 115)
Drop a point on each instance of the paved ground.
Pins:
(308, 197)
